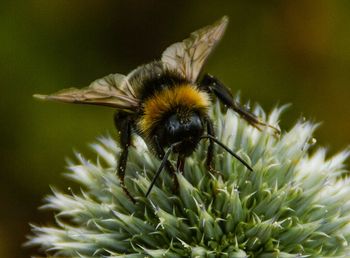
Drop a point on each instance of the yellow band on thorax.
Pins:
(169, 99)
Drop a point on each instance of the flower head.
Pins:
(294, 204)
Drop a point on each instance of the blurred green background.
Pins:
(273, 52)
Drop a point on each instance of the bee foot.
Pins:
(128, 194)
(212, 170)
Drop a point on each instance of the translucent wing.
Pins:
(188, 57)
(112, 90)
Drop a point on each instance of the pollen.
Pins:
(163, 102)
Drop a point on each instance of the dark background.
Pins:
(273, 52)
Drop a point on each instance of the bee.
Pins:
(165, 102)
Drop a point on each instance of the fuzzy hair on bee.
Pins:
(166, 103)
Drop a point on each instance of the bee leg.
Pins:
(210, 151)
(211, 84)
(123, 124)
(180, 165)
(168, 166)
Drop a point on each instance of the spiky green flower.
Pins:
(294, 204)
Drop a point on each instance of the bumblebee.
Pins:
(165, 102)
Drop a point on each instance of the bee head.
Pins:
(183, 126)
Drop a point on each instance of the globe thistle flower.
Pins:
(296, 203)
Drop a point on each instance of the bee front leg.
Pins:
(210, 151)
(168, 166)
(123, 124)
(180, 165)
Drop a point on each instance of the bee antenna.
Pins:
(164, 160)
(208, 136)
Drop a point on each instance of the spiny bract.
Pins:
(294, 204)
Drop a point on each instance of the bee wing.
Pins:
(188, 56)
(112, 90)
